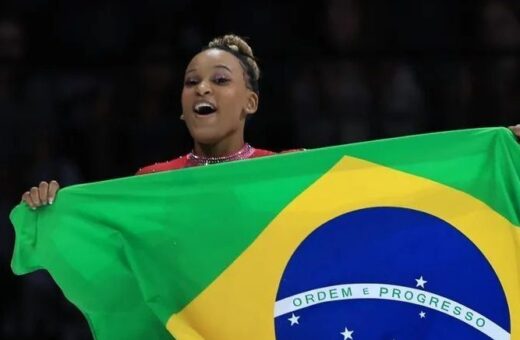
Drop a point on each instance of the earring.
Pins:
(182, 116)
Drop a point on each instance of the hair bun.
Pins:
(239, 45)
(233, 42)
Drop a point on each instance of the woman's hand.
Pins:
(516, 130)
(43, 194)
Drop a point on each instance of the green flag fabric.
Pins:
(413, 237)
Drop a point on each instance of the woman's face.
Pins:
(215, 99)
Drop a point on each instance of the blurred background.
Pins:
(90, 90)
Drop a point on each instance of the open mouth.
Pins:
(204, 108)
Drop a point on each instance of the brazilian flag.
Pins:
(406, 238)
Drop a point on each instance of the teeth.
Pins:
(201, 106)
(204, 108)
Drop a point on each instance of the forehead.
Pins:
(211, 58)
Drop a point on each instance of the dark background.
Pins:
(90, 90)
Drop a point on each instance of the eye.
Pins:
(221, 80)
(190, 82)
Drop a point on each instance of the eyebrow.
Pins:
(216, 66)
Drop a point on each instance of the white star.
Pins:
(347, 334)
(294, 319)
(422, 314)
(420, 282)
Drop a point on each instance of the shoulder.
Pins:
(293, 150)
(262, 152)
(174, 164)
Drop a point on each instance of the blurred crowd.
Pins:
(90, 90)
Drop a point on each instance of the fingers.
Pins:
(515, 129)
(53, 188)
(43, 194)
(35, 196)
(26, 197)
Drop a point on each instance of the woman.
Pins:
(220, 91)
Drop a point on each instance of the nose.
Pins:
(203, 88)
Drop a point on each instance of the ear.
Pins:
(252, 103)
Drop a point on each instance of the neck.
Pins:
(220, 149)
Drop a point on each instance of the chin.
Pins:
(206, 137)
